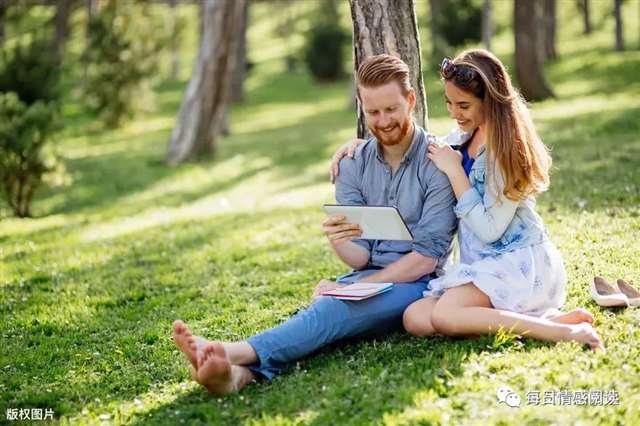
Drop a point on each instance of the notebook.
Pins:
(359, 291)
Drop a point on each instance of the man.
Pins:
(391, 168)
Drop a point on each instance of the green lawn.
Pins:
(91, 285)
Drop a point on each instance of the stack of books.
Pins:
(359, 291)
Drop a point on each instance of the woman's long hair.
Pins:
(512, 141)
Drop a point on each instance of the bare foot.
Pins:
(192, 346)
(585, 333)
(576, 316)
(216, 372)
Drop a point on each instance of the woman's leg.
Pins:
(416, 319)
(465, 310)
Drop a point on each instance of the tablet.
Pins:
(377, 222)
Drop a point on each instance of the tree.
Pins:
(528, 60)
(487, 24)
(241, 62)
(438, 44)
(454, 23)
(3, 12)
(174, 40)
(617, 6)
(202, 110)
(121, 58)
(388, 26)
(29, 105)
(63, 12)
(548, 18)
(583, 5)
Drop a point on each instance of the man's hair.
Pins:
(379, 70)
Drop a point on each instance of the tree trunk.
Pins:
(487, 24)
(549, 29)
(63, 12)
(202, 110)
(3, 11)
(388, 26)
(175, 41)
(439, 45)
(240, 65)
(618, 15)
(529, 69)
(586, 15)
(92, 7)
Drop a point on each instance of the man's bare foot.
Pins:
(192, 346)
(585, 333)
(576, 316)
(218, 375)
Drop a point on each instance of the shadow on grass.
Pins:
(602, 70)
(596, 159)
(117, 344)
(102, 320)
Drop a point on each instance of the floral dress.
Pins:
(522, 271)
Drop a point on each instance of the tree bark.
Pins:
(618, 15)
(487, 24)
(92, 7)
(586, 15)
(240, 66)
(388, 26)
(549, 29)
(63, 12)
(175, 41)
(3, 11)
(529, 69)
(438, 44)
(202, 110)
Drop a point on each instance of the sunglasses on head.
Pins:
(461, 73)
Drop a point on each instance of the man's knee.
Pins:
(417, 323)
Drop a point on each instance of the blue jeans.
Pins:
(328, 320)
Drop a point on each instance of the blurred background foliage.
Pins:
(111, 59)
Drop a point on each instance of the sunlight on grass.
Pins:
(237, 199)
(584, 105)
(275, 116)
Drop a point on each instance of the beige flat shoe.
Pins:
(607, 295)
(632, 293)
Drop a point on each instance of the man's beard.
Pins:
(385, 140)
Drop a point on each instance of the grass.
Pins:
(91, 285)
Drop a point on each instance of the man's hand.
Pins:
(324, 285)
(338, 230)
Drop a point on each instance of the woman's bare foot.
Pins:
(192, 346)
(218, 375)
(576, 316)
(585, 333)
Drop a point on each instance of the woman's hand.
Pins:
(445, 158)
(348, 149)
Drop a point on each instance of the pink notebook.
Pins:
(359, 291)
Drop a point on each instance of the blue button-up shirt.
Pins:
(420, 191)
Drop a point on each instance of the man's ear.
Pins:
(411, 98)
